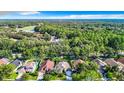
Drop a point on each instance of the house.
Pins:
(54, 39)
(47, 66)
(111, 62)
(101, 70)
(17, 62)
(121, 60)
(77, 62)
(61, 67)
(120, 66)
(21, 70)
(4, 61)
(30, 66)
(100, 62)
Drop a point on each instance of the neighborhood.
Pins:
(48, 66)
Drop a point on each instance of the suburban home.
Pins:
(100, 62)
(30, 66)
(121, 60)
(21, 70)
(120, 66)
(54, 39)
(47, 66)
(17, 62)
(77, 62)
(101, 69)
(4, 61)
(111, 62)
(62, 67)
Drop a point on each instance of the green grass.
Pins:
(27, 28)
(12, 76)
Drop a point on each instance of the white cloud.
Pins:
(29, 13)
(101, 16)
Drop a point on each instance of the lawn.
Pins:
(28, 28)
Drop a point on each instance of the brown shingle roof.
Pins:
(77, 62)
(121, 60)
(111, 62)
(62, 66)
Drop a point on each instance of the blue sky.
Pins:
(62, 15)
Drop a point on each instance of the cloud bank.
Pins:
(103, 16)
(29, 13)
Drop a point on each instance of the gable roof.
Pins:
(121, 60)
(77, 62)
(30, 64)
(47, 65)
(111, 62)
(100, 62)
(4, 61)
(17, 62)
(21, 70)
(62, 66)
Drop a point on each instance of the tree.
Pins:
(6, 71)
(87, 71)
(113, 73)
(47, 36)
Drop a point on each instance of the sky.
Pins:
(62, 15)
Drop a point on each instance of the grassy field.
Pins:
(29, 28)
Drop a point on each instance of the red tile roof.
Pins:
(47, 66)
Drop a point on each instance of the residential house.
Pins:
(4, 61)
(120, 66)
(54, 39)
(47, 66)
(100, 62)
(118, 62)
(17, 63)
(21, 70)
(76, 63)
(111, 62)
(101, 69)
(30, 66)
(121, 60)
(62, 67)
